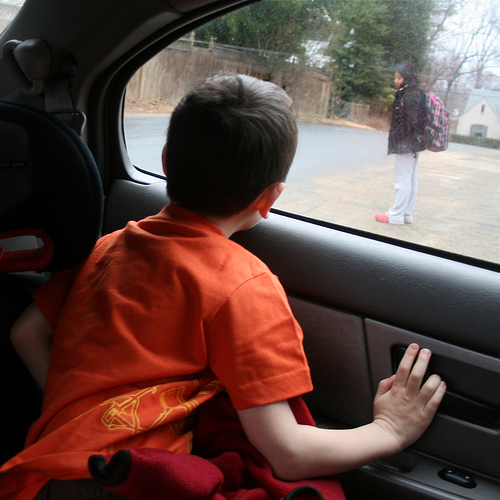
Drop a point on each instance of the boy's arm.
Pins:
(402, 412)
(31, 337)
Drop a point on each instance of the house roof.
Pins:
(477, 95)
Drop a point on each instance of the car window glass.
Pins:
(337, 61)
(8, 10)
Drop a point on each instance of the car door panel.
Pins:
(467, 442)
(358, 301)
(403, 296)
(383, 480)
(335, 342)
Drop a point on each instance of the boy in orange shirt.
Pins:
(168, 312)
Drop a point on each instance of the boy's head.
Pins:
(228, 140)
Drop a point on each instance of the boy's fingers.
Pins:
(437, 397)
(432, 391)
(385, 386)
(405, 366)
(410, 375)
(418, 371)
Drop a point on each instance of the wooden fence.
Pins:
(178, 68)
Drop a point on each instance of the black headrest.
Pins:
(49, 183)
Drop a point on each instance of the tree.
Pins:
(470, 47)
(407, 37)
(274, 26)
(487, 44)
(276, 31)
(371, 37)
(356, 47)
(443, 11)
(366, 38)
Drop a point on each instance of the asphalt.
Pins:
(347, 178)
(457, 208)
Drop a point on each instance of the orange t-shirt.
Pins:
(162, 316)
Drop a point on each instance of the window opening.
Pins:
(9, 10)
(339, 70)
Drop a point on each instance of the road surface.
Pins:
(343, 175)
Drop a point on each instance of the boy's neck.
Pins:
(239, 222)
(234, 223)
(249, 217)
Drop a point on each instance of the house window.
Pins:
(478, 130)
(482, 109)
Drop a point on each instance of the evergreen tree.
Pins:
(367, 38)
(371, 37)
(409, 26)
(274, 25)
(357, 48)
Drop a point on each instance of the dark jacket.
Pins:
(408, 121)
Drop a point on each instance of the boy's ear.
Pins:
(164, 160)
(268, 197)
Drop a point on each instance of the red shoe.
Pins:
(381, 217)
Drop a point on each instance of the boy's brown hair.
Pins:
(228, 140)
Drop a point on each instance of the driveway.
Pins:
(343, 175)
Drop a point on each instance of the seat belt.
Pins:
(58, 99)
(24, 68)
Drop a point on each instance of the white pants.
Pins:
(405, 181)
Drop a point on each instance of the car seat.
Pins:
(51, 210)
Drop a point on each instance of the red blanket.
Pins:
(224, 465)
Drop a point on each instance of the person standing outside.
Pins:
(406, 139)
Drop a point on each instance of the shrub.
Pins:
(475, 141)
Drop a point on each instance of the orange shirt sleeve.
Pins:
(254, 345)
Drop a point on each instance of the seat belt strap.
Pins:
(58, 102)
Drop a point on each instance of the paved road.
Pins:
(321, 150)
(344, 175)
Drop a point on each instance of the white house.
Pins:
(481, 117)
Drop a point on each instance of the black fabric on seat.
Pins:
(48, 181)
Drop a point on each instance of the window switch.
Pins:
(457, 476)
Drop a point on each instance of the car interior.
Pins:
(361, 298)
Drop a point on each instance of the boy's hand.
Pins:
(403, 408)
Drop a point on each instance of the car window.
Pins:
(8, 10)
(337, 60)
